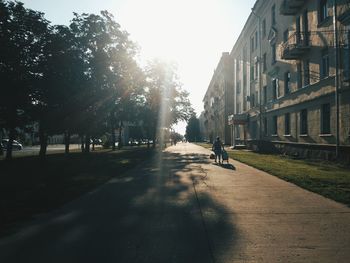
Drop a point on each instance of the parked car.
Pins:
(15, 144)
(98, 141)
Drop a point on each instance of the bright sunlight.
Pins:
(184, 32)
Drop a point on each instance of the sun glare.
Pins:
(182, 30)
(186, 32)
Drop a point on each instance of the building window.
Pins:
(273, 54)
(285, 35)
(275, 92)
(263, 28)
(253, 129)
(323, 10)
(238, 108)
(238, 87)
(237, 132)
(274, 125)
(252, 100)
(256, 70)
(273, 14)
(264, 63)
(346, 59)
(251, 72)
(265, 126)
(303, 122)
(299, 76)
(252, 44)
(244, 82)
(306, 72)
(286, 83)
(326, 119)
(265, 95)
(256, 39)
(325, 64)
(287, 124)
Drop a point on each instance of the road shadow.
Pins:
(158, 212)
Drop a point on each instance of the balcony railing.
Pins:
(344, 16)
(291, 7)
(296, 46)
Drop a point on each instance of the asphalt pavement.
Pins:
(180, 207)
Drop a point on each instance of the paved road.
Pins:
(182, 208)
(34, 150)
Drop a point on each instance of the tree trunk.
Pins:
(113, 137)
(120, 135)
(67, 141)
(43, 142)
(87, 143)
(82, 143)
(9, 144)
(154, 142)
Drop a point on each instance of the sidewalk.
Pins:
(275, 221)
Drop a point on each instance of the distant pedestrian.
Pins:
(218, 148)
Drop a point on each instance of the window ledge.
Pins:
(303, 135)
(274, 135)
(287, 135)
(326, 135)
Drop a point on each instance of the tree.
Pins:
(166, 103)
(192, 129)
(59, 89)
(22, 37)
(109, 56)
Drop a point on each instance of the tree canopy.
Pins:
(193, 133)
(80, 79)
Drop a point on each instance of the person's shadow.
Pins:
(228, 166)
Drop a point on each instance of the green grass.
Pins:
(328, 179)
(29, 185)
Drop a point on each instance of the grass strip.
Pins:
(325, 178)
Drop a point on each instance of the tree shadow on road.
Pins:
(159, 212)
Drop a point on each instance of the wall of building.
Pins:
(217, 101)
(303, 45)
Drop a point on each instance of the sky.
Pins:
(192, 33)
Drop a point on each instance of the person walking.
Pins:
(218, 148)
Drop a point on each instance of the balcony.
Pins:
(344, 17)
(291, 7)
(238, 119)
(296, 46)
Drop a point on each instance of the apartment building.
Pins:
(298, 88)
(291, 76)
(218, 103)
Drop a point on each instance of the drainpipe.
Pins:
(260, 76)
(336, 77)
